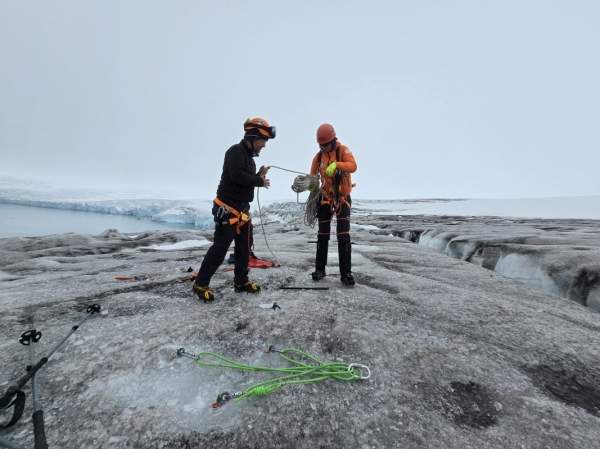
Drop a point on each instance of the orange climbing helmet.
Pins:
(259, 127)
(325, 134)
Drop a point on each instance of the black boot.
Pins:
(345, 255)
(205, 294)
(317, 275)
(248, 287)
(348, 279)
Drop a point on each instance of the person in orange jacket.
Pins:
(334, 163)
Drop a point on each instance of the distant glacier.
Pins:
(197, 212)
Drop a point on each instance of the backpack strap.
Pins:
(337, 179)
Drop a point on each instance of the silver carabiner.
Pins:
(361, 367)
(221, 212)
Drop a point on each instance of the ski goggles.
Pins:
(265, 131)
(271, 131)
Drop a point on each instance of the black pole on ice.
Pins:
(39, 432)
(14, 396)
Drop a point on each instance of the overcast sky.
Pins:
(435, 98)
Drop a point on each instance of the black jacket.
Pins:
(239, 176)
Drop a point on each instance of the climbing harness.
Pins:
(239, 219)
(304, 369)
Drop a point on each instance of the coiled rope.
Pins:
(302, 183)
(262, 226)
(304, 369)
(311, 208)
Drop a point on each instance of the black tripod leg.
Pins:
(39, 431)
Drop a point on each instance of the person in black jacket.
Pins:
(231, 208)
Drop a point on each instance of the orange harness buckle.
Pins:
(239, 219)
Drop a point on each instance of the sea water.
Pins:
(26, 221)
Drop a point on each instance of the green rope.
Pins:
(304, 369)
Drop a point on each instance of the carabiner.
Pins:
(361, 367)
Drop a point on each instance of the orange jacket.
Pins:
(346, 164)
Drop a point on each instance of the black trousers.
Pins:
(224, 235)
(343, 236)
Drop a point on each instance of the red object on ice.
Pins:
(255, 262)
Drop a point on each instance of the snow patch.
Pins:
(184, 244)
(365, 227)
(367, 248)
(268, 218)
